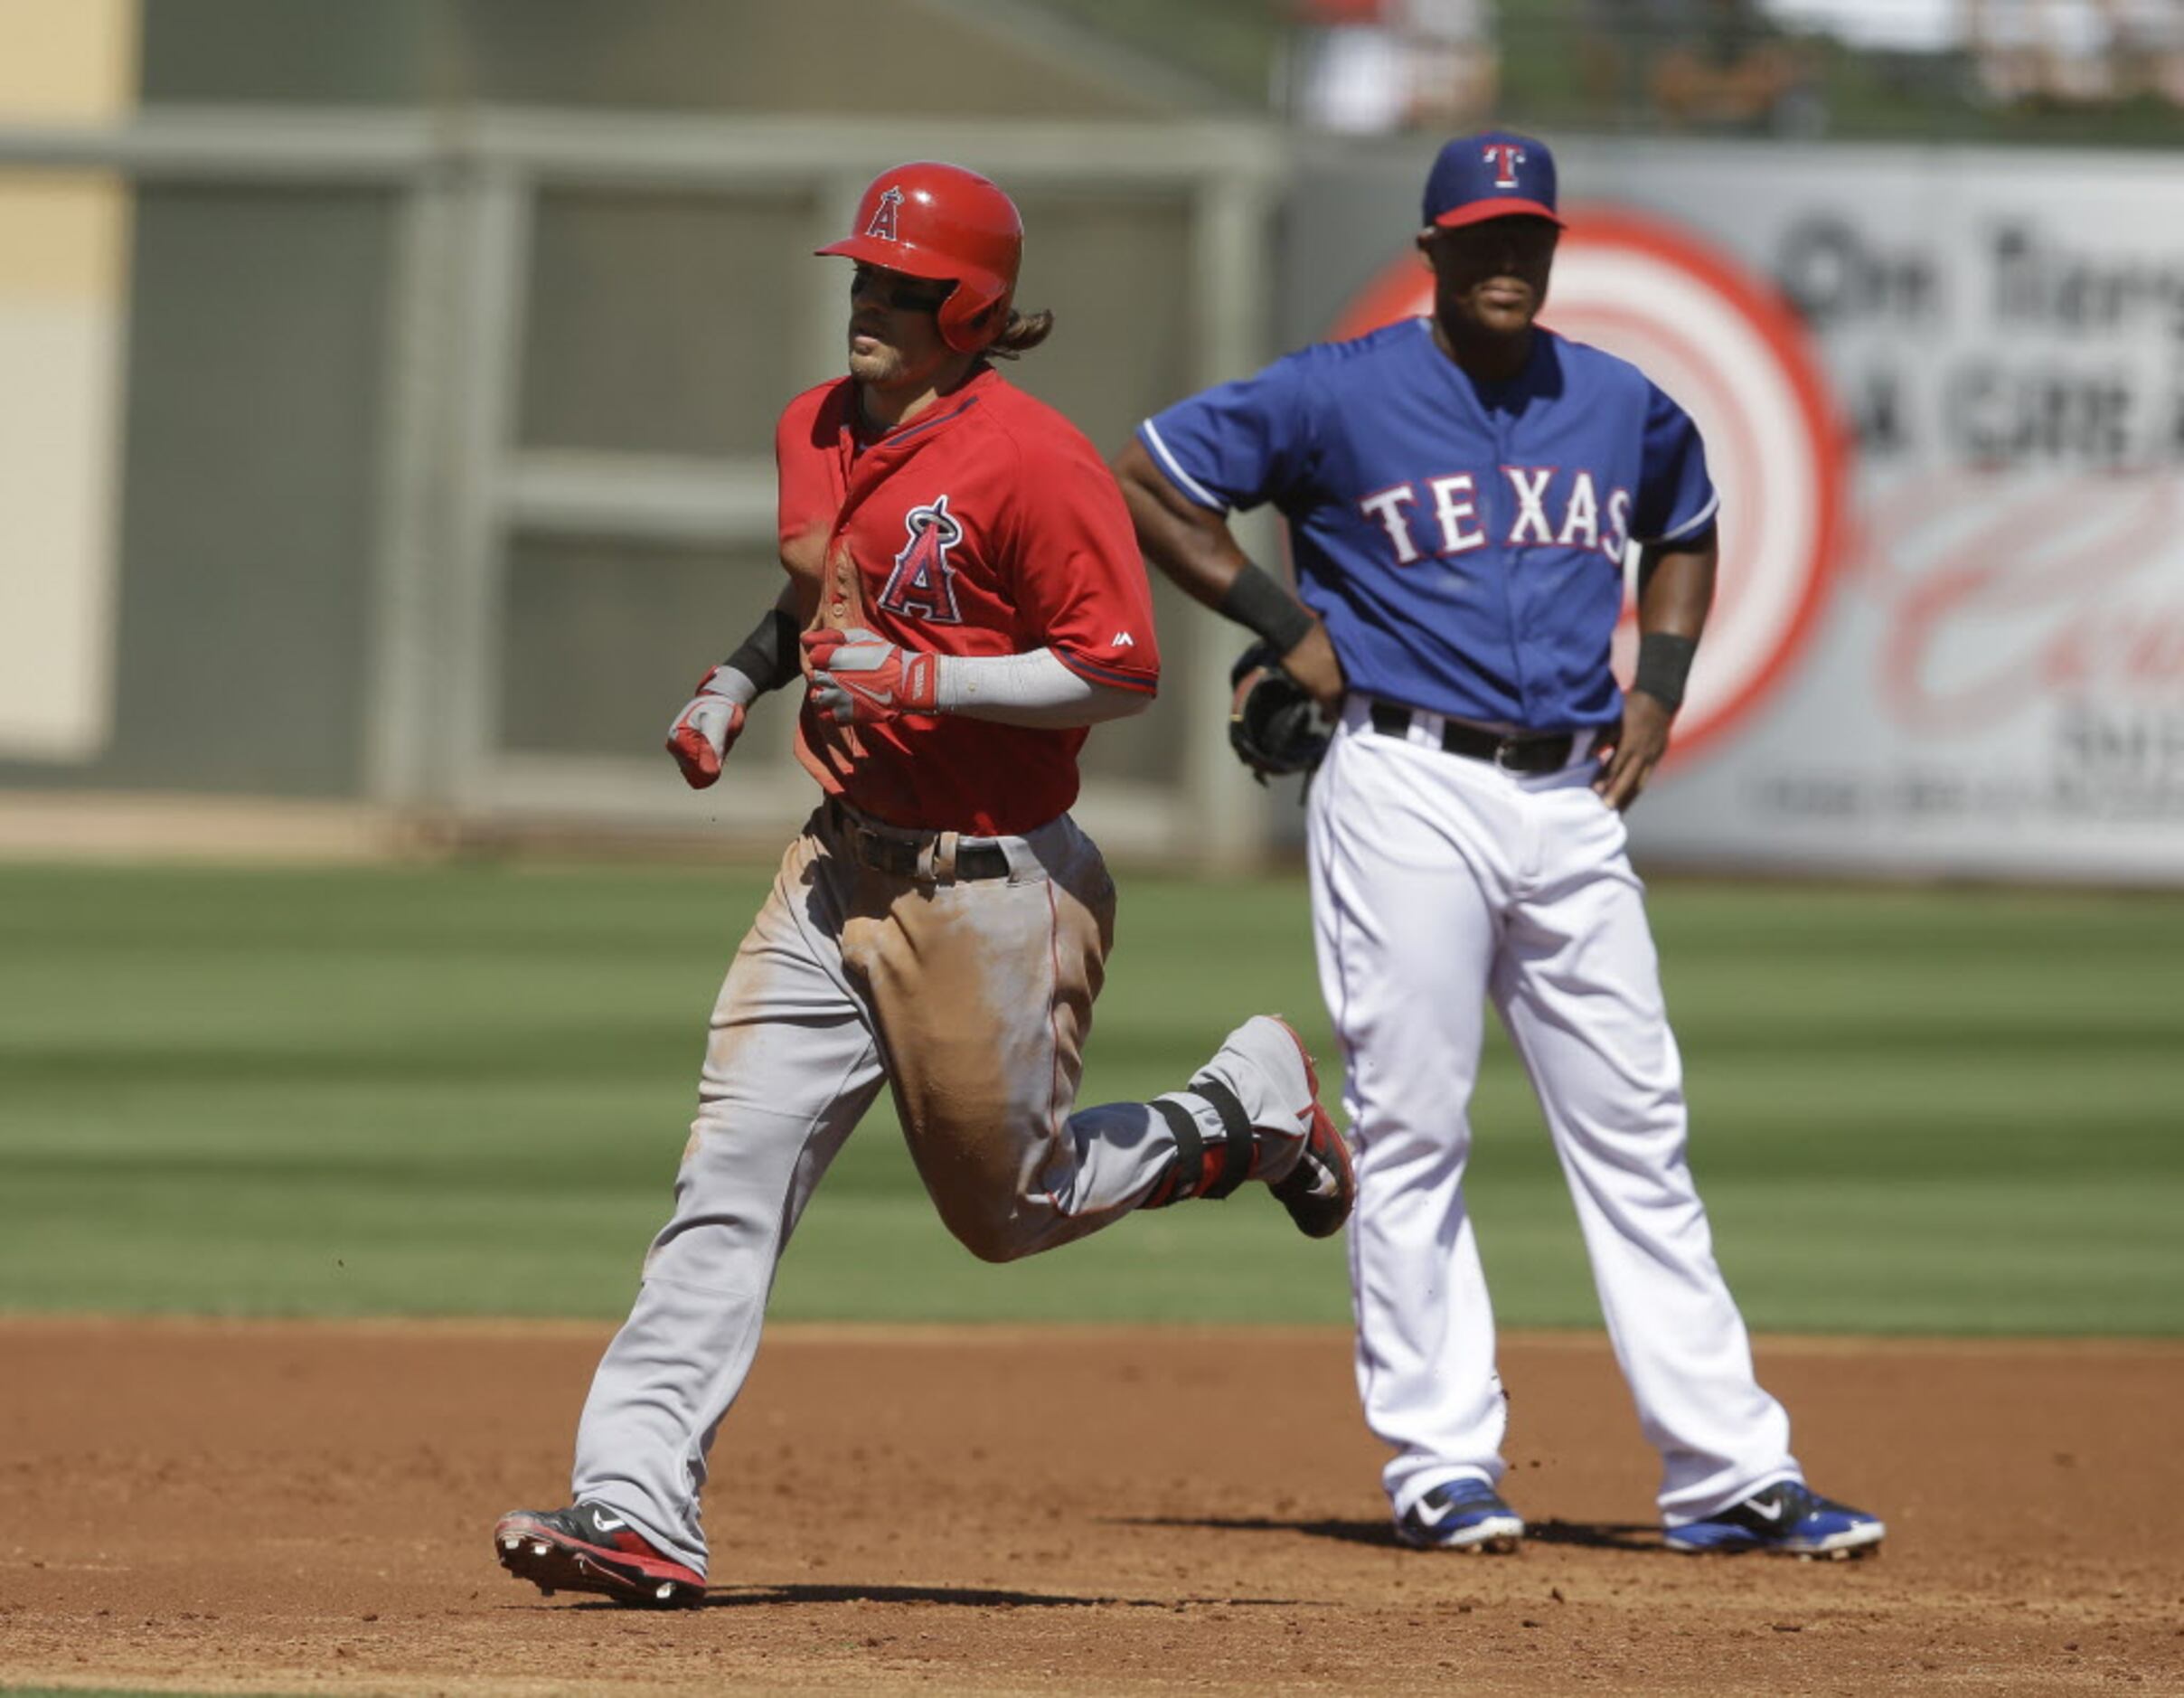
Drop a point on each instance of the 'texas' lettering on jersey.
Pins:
(923, 584)
(1443, 517)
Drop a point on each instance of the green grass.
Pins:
(463, 1091)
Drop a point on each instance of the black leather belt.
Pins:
(900, 855)
(1520, 752)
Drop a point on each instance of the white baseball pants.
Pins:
(971, 1000)
(1440, 881)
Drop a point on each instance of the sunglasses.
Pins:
(903, 295)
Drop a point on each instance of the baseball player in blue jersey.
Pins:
(1461, 493)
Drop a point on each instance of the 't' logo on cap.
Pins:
(1494, 173)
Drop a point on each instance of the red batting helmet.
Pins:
(943, 222)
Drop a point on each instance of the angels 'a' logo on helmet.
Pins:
(882, 227)
(923, 584)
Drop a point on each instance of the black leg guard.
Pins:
(1199, 1171)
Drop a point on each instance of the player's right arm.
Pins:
(707, 728)
(711, 719)
(1236, 445)
(1195, 547)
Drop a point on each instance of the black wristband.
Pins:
(1664, 662)
(1254, 598)
(769, 655)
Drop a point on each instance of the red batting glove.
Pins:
(706, 729)
(858, 677)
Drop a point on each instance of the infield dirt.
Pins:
(269, 1506)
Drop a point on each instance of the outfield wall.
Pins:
(64, 262)
(437, 476)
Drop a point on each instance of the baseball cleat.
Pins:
(1264, 1089)
(1321, 1189)
(1784, 1519)
(1463, 1514)
(588, 1548)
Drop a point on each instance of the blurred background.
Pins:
(385, 401)
(384, 440)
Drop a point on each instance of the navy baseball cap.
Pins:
(1495, 174)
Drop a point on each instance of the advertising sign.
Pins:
(1942, 395)
(1725, 344)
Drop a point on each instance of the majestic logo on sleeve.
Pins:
(1505, 157)
(882, 227)
(922, 585)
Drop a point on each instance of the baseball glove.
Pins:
(1274, 724)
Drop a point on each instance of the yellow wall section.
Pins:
(63, 266)
(66, 59)
(62, 237)
(64, 62)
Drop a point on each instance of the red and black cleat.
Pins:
(1265, 1062)
(589, 1548)
(1321, 1189)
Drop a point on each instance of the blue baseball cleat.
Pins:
(1460, 1515)
(1787, 1519)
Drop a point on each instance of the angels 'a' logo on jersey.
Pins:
(923, 584)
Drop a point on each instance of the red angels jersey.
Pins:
(985, 525)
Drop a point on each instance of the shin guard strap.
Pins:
(1236, 1133)
(1188, 1170)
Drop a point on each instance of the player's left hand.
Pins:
(1629, 760)
(858, 677)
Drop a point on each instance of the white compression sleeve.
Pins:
(1033, 689)
(735, 684)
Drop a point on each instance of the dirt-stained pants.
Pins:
(972, 999)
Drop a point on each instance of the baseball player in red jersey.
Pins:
(964, 599)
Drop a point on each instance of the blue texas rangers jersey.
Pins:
(1462, 541)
